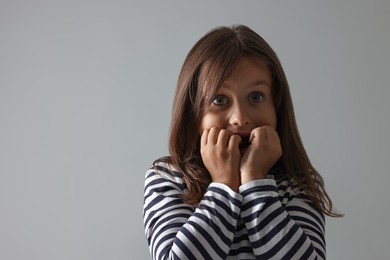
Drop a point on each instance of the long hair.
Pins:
(210, 61)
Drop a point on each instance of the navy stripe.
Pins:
(241, 250)
(302, 197)
(309, 252)
(215, 228)
(226, 194)
(161, 189)
(154, 182)
(159, 180)
(167, 236)
(221, 218)
(166, 249)
(156, 200)
(255, 202)
(271, 233)
(282, 188)
(222, 205)
(308, 221)
(306, 211)
(257, 212)
(166, 170)
(165, 220)
(210, 239)
(320, 252)
(314, 238)
(175, 257)
(281, 243)
(268, 219)
(295, 248)
(263, 188)
(196, 243)
(243, 237)
(184, 249)
(241, 226)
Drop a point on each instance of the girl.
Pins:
(238, 183)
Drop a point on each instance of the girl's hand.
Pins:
(261, 155)
(221, 156)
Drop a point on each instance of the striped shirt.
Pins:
(266, 219)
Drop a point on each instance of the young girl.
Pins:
(238, 183)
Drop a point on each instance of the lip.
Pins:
(242, 134)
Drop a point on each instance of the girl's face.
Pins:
(244, 101)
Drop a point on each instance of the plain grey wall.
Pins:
(85, 100)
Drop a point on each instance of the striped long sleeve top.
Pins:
(266, 219)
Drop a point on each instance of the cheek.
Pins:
(273, 119)
(210, 120)
(266, 117)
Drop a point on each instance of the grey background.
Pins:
(85, 101)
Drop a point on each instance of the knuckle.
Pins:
(235, 137)
(212, 130)
(258, 129)
(224, 132)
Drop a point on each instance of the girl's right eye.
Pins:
(220, 100)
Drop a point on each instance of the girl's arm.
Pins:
(292, 231)
(175, 230)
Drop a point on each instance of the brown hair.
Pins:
(206, 67)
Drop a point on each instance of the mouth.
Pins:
(244, 143)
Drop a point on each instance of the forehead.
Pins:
(247, 71)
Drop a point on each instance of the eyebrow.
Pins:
(256, 83)
(260, 83)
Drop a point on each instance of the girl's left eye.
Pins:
(256, 97)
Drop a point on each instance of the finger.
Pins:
(273, 140)
(272, 135)
(266, 132)
(203, 138)
(257, 133)
(223, 137)
(252, 135)
(234, 142)
(213, 135)
(276, 136)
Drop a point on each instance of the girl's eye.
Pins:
(220, 100)
(256, 97)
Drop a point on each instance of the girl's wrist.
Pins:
(247, 177)
(233, 185)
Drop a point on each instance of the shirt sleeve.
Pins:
(291, 231)
(175, 230)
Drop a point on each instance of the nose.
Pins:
(239, 115)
